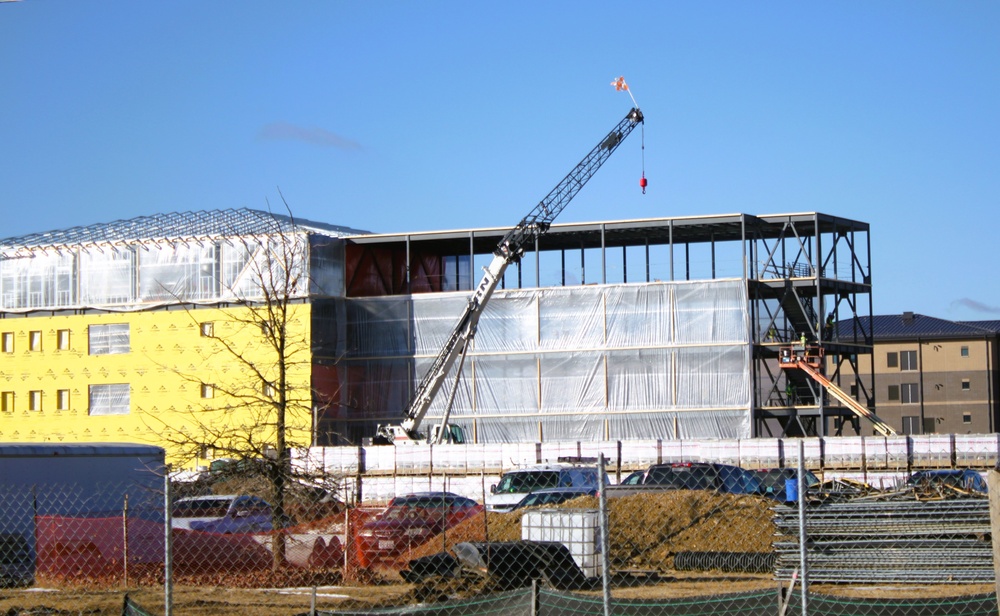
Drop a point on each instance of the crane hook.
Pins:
(642, 183)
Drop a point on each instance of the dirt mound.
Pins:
(647, 530)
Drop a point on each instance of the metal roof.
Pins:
(911, 325)
(177, 225)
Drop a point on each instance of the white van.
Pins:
(514, 485)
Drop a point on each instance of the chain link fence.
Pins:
(676, 538)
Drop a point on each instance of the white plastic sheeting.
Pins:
(141, 274)
(660, 360)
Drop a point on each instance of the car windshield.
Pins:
(527, 481)
(683, 477)
(633, 479)
(201, 508)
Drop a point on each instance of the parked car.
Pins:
(222, 514)
(553, 496)
(773, 480)
(412, 520)
(516, 484)
(955, 480)
(690, 476)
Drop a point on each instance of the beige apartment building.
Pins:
(932, 375)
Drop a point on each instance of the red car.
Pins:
(410, 521)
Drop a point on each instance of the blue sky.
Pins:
(411, 116)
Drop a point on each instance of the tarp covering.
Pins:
(156, 272)
(598, 362)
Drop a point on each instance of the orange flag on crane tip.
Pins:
(620, 84)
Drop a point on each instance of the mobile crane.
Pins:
(509, 250)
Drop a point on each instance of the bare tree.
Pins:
(255, 398)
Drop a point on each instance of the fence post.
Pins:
(168, 582)
(801, 477)
(993, 488)
(605, 539)
(125, 539)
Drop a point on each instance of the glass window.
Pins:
(911, 424)
(8, 342)
(35, 400)
(893, 393)
(967, 418)
(62, 400)
(109, 399)
(207, 391)
(35, 341)
(909, 393)
(112, 339)
(908, 360)
(208, 329)
(892, 360)
(965, 351)
(62, 339)
(7, 402)
(966, 386)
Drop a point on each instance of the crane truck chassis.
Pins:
(509, 250)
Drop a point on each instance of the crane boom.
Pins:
(509, 250)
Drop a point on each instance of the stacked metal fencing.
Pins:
(831, 548)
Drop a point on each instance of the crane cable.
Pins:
(620, 86)
(642, 135)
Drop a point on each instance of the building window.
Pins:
(35, 400)
(207, 391)
(966, 418)
(35, 341)
(8, 342)
(110, 339)
(854, 390)
(268, 390)
(62, 339)
(911, 424)
(7, 402)
(965, 351)
(109, 399)
(909, 393)
(892, 360)
(207, 329)
(893, 393)
(908, 360)
(62, 400)
(966, 386)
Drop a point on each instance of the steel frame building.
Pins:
(801, 271)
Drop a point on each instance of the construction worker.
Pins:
(790, 393)
(802, 340)
(828, 328)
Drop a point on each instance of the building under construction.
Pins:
(657, 328)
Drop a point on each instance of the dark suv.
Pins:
(701, 476)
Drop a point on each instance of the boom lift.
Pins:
(809, 359)
(509, 250)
